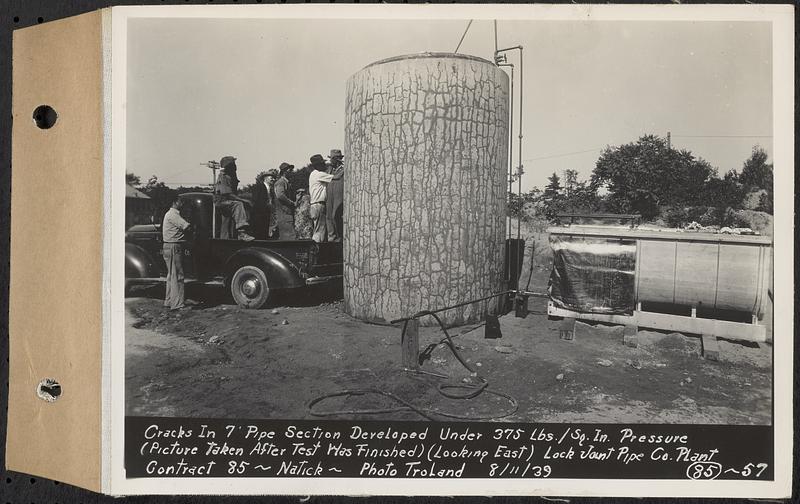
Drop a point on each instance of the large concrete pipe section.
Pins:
(426, 146)
(706, 271)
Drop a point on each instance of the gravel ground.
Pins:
(217, 360)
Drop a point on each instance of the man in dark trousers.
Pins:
(284, 204)
(334, 203)
(173, 234)
(261, 214)
(269, 181)
(225, 197)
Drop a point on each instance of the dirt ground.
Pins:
(217, 360)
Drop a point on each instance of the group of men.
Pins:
(272, 216)
(275, 213)
(326, 190)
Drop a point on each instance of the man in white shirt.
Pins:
(173, 233)
(317, 187)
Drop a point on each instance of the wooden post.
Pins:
(410, 344)
(521, 306)
(492, 328)
(567, 329)
(629, 338)
(710, 347)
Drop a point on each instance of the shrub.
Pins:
(677, 217)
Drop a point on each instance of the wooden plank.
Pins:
(491, 329)
(678, 323)
(410, 344)
(567, 329)
(521, 306)
(629, 336)
(653, 234)
(710, 347)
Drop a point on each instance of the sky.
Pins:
(268, 91)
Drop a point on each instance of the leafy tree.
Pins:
(132, 179)
(583, 198)
(161, 195)
(756, 172)
(553, 188)
(298, 178)
(186, 189)
(526, 205)
(765, 203)
(721, 195)
(643, 175)
(570, 182)
(553, 196)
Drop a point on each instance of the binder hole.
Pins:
(44, 116)
(16, 19)
(48, 390)
(40, 20)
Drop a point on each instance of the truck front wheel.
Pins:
(249, 287)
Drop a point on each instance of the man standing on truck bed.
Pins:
(225, 197)
(284, 204)
(317, 188)
(261, 213)
(335, 196)
(173, 233)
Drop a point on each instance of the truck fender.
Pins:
(139, 263)
(281, 273)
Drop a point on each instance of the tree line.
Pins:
(650, 178)
(646, 177)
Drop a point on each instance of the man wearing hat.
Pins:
(284, 204)
(317, 188)
(225, 197)
(335, 196)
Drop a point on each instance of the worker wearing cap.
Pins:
(284, 204)
(317, 187)
(334, 198)
(225, 197)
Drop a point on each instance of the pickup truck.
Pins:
(253, 271)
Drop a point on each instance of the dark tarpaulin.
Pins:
(593, 275)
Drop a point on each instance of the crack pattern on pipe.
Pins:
(426, 146)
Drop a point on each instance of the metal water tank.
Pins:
(706, 271)
(426, 148)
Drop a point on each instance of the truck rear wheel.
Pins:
(249, 287)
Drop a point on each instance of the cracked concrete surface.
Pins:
(426, 143)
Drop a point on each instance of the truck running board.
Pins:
(187, 281)
(321, 279)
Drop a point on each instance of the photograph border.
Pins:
(115, 36)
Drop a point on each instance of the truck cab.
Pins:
(253, 271)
